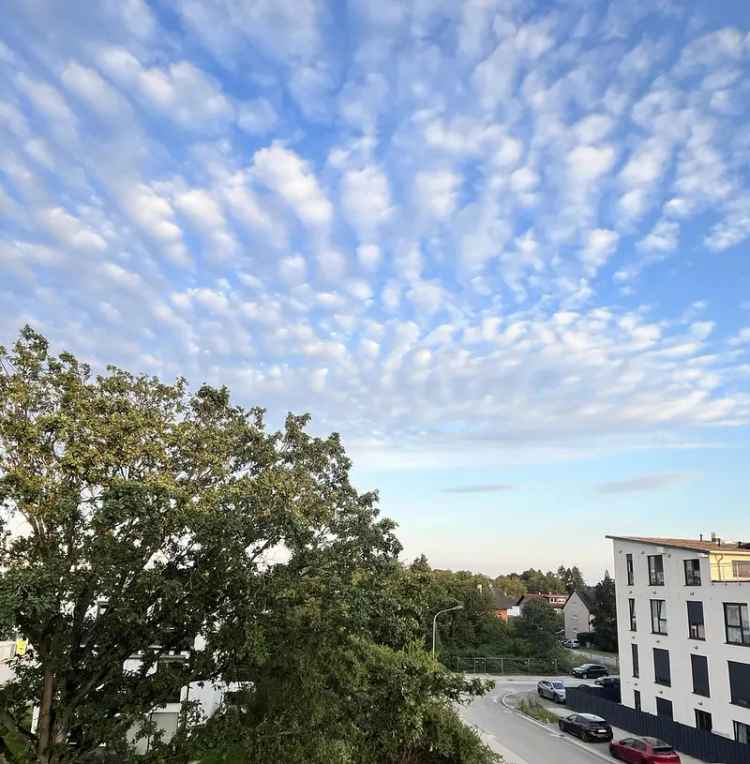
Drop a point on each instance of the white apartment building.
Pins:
(683, 624)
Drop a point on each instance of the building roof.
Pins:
(695, 545)
(502, 601)
(586, 594)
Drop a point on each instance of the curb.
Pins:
(548, 728)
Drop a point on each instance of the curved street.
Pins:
(519, 739)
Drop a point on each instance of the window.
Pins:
(741, 568)
(742, 733)
(631, 607)
(656, 570)
(696, 627)
(662, 674)
(658, 616)
(692, 572)
(664, 707)
(699, 664)
(737, 623)
(629, 568)
(703, 720)
(636, 667)
(172, 671)
(637, 700)
(739, 683)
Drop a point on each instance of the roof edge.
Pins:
(687, 545)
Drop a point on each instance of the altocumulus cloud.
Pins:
(448, 240)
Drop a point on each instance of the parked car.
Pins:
(590, 671)
(588, 727)
(553, 689)
(573, 644)
(608, 681)
(644, 750)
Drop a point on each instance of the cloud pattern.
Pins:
(443, 228)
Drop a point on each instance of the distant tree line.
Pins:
(476, 630)
(564, 581)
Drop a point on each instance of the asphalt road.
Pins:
(521, 740)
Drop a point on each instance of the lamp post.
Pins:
(434, 623)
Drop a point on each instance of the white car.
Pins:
(571, 643)
(553, 689)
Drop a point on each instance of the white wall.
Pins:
(577, 617)
(680, 646)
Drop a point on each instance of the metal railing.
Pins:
(502, 665)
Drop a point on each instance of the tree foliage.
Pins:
(571, 578)
(137, 515)
(604, 614)
(538, 627)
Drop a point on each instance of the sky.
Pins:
(501, 247)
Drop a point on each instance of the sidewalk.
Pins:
(619, 734)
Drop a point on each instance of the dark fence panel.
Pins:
(695, 742)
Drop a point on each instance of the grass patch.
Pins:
(536, 710)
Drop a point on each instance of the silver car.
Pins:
(553, 689)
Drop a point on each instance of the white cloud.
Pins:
(702, 329)
(284, 29)
(293, 269)
(91, 88)
(741, 338)
(524, 179)
(332, 264)
(283, 171)
(437, 192)
(69, 230)
(365, 198)
(154, 215)
(600, 245)
(360, 290)
(201, 208)
(180, 91)
(257, 117)
(587, 164)
(734, 228)
(49, 101)
(678, 207)
(428, 297)
(369, 256)
(664, 237)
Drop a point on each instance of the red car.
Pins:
(644, 750)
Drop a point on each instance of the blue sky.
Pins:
(502, 247)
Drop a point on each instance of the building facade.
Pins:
(684, 631)
(577, 613)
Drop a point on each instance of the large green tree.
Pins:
(136, 515)
(537, 628)
(571, 578)
(604, 614)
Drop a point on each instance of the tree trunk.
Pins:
(44, 729)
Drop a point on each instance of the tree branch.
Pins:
(7, 719)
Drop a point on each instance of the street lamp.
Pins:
(434, 623)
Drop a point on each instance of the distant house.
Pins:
(505, 607)
(577, 612)
(556, 600)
